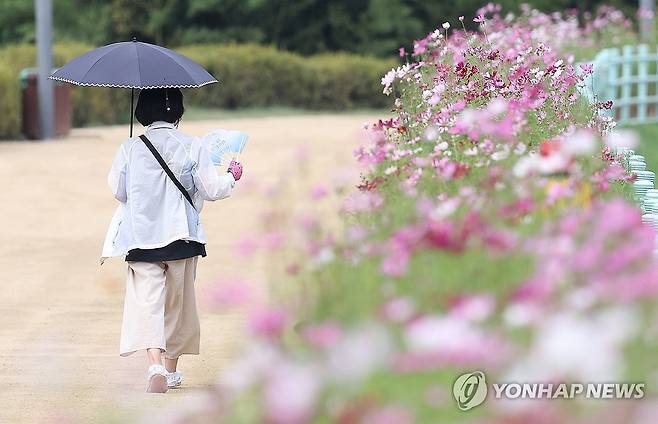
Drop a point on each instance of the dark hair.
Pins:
(152, 106)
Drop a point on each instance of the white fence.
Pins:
(630, 79)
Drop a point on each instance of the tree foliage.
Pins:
(376, 27)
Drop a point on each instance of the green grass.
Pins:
(648, 147)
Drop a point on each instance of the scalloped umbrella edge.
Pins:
(133, 65)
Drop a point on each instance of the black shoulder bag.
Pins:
(164, 166)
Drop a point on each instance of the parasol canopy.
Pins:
(135, 65)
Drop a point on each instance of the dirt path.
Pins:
(61, 313)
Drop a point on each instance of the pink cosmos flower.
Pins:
(587, 68)
(444, 235)
(229, 294)
(310, 223)
(396, 263)
(474, 307)
(645, 13)
(391, 414)
(322, 335)
(318, 192)
(435, 342)
(246, 245)
(498, 240)
(362, 202)
(267, 322)
(399, 309)
(272, 240)
(292, 269)
(420, 47)
(517, 210)
(355, 233)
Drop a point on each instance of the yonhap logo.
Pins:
(470, 390)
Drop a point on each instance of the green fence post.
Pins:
(599, 82)
(626, 81)
(642, 82)
(613, 80)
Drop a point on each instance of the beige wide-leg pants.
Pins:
(160, 308)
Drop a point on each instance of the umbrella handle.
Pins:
(132, 101)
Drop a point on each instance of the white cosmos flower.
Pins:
(434, 100)
(389, 78)
(497, 106)
(501, 154)
(445, 208)
(448, 334)
(469, 117)
(568, 345)
(359, 352)
(580, 143)
(431, 133)
(291, 391)
(520, 149)
(621, 139)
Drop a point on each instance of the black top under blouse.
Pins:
(179, 249)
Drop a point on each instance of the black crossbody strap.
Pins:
(164, 166)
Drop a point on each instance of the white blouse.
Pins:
(152, 212)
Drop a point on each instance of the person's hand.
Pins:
(235, 168)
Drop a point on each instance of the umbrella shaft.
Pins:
(132, 114)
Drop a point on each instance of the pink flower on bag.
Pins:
(235, 168)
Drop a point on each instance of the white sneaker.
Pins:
(157, 379)
(174, 379)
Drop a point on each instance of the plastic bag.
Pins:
(221, 141)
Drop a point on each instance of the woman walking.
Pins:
(162, 179)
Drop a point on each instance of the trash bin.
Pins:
(30, 105)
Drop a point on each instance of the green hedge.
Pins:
(9, 103)
(250, 76)
(90, 105)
